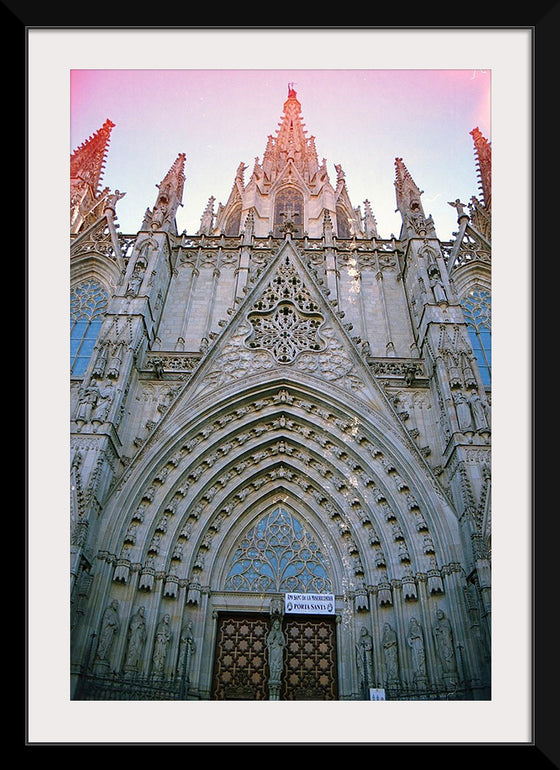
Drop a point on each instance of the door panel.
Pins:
(310, 661)
(241, 669)
(241, 666)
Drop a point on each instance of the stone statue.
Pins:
(463, 410)
(459, 206)
(135, 280)
(87, 403)
(110, 625)
(415, 641)
(103, 405)
(390, 653)
(162, 639)
(111, 202)
(364, 658)
(443, 636)
(479, 412)
(437, 287)
(187, 649)
(275, 643)
(136, 639)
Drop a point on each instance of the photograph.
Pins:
(283, 429)
(300, 398)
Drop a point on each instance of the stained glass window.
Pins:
(288, 206)
(477, 307)
(278, 555)
(88, 303)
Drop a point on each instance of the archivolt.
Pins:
(216, 475)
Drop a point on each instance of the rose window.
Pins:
(285, 332)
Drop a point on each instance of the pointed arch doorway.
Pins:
(276, 656)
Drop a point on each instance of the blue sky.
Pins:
(361, 119)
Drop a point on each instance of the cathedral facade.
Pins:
(280, 439)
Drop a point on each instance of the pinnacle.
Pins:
(101, 135)
(402, 174)
(88, 160)
(175, 176)
(483, 152)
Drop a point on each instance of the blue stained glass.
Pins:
(278, 555)
(477, 308)
(88, 303)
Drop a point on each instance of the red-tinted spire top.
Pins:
(291, 143)
(87, 163)
(483, 151)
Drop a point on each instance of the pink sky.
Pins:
(362, 119)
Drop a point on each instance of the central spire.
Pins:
(291, 143)
(290, 191)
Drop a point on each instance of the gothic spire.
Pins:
(483, 152)
(415, 222)
(170, 195)
(408, 194)
(174, 181)
(291, 143)
(87, 162)
(370, 223)
(207, 219)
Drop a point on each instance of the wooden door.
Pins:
(241, 665)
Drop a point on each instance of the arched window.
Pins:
(277, 554)
(477, 308)
(233, 223)
(342, 223)
(88, 304)
(288, 205)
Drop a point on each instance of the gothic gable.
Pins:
(285, 327)
(290, 175)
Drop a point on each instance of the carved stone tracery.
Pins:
(285, 320)
(285, 332)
